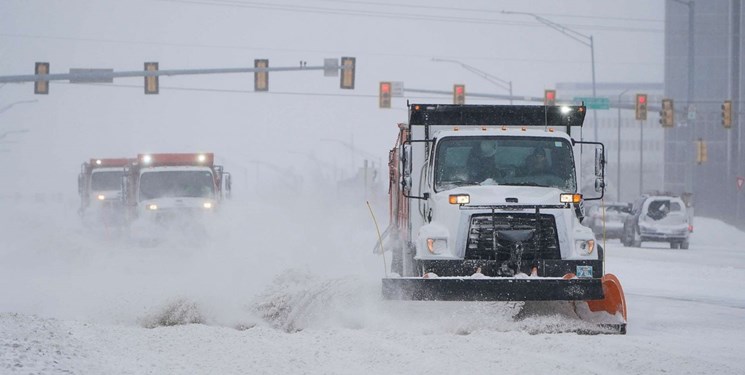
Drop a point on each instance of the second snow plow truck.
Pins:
(485, 205)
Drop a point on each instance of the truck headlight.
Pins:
(437, 245)
(459, 199)
(152, 207)
(101, 197)
(585, 247)
(207, 205)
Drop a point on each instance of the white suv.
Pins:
(657, 218)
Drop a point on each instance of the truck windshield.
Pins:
(106, 180)
(500, 160)
(196, 184)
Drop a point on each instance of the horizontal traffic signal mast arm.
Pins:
(476, 115)
(83, 76)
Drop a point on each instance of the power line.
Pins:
(388, 15)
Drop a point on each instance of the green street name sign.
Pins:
(593, 103)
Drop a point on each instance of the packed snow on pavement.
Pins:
(295, 288)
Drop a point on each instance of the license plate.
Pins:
(584, 271)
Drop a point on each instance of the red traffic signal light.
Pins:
(549, 97)
(384, 97)
(641, 106)
(459, 94)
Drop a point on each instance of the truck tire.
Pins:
(684, 245)
(674, 245)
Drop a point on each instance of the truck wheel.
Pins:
(684, 245)
(674, 245)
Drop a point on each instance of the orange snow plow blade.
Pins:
(614, 301)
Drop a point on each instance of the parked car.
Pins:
(613, 214)
(657, 218)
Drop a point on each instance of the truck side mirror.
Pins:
(599, 162)
(599, 184)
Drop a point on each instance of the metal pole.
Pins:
(511, 93)
(618, 175)
(641, 158)
(594, 93)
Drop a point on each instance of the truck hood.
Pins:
(498, 194)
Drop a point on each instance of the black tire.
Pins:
(684, 245)
(674, 245)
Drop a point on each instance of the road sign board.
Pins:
(397, 89)
(593, 103)
(740, 182)
(81, 75)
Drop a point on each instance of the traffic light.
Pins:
(152, 85)
(385, 95)
(727, 114)
(549, 97)
(667, 114)
(41, 87)
(701, 152)
(459, 94)
(641, 106)
(261, 79)
(347, 73)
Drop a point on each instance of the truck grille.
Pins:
(543, 243)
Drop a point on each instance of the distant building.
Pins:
(718, 27)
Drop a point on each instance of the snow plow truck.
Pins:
(166, 188)
(485, 205)
(99, 187)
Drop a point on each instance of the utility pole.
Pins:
(618, 171)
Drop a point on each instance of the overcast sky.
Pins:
(392, 41)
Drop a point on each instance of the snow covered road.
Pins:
(297, 291)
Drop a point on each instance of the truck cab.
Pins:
(166, 187)
(99, 187)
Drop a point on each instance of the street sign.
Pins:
(397, 89)
(593, 103)
(691, 112)
(330, 67)
(82, 75)
(740, 182)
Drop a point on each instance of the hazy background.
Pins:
(305, 122)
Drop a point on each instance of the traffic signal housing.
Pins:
(152, 86)
(41, 87)
(727, 114)
(459, 94)
(261, 79)
(701, 152)
(667, 114)
(549, 97)
(641, 106)
(347, 73)
(384, 96)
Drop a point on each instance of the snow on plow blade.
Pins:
(491, 289)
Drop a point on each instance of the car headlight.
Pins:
(437, 245)
(152, 207)
(207, 205)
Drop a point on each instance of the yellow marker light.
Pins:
(201, 158)
(459, 199)
(456, 128)
(504, 128)
(101, 197)
(483, 128)
(98, 162)
(152, 207)
(524, 128)
(565, 110)
(146, 159)
(570, 198)
(550, 130)
(207, 205)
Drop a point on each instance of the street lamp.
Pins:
(507, 85)
(9, 106)
(582, 38)
(690, 93)
(618, 175)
